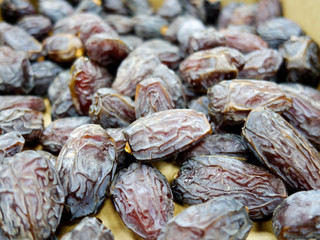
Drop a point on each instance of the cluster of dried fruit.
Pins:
(226, 94)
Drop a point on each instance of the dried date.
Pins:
(10, 144)
(304, 206)
(282, 149)
(55, 135)
(206, 177)
(58, 85)
(86, 165)
(120, 23)
(89, 228)
(37, 26)
(143, 199)
(202, 69)
(149, 26)
(131, 41)
(204, 221)
(268, 9)
(91, 6)
(111, 109)
(12, 10)
(112, 6)
(152, 96)
(22, 101)
(231, 101)
(86, 78)
(261, 64)
(170, 9)
(31, 197)
(228, 144)
(55, 9)
(164, 134)
(138, 7)
(29, 123)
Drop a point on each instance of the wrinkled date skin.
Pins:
(297, 216)
(143, 199)
(55, 135)
(282, 149)
(139, 64)
(63, 47)
(205, 221)
(89, 228)
(28, 123)
(152, 96)
(31, 198)
(106, 50)
(55, 10)
(12, 10)
(261, 64)
(302, 61)
(149, 26)
(164, 134)
(22, 101)
(18, 39)
(230, 102)
(202, 69)
(37, 26)
(10, 144)
(86, 165)
(304, 114)
(111, 109)
(206, 177)
(120, 23)
(86, 78)
(229, 144)
(15, 72)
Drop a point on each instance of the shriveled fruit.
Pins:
(10, 144)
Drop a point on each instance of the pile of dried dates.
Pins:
(227, 94)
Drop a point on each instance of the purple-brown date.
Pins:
(302, 61)
(143, 199)
(304, 114)
(86, 78)
(209, 176)
(106, 50)
(15, 71)
(205, 221)
(168, 53)
(149, 26)
(117, 7)
(84, 25)
(152, 95)
(139, 64)
(18, 39)
(202, 69)
(29, 123)
(138, 7)
(164, 134)
(229, 144)
(55, 10)
(13, 10)
(170, 32)
(261, 64)
(56, 134)
(31, 197)
(243, 41)
(89, 228)
(86, 166)
(268, 9)
(63, 48)
(170, 9)
(51, 158)
(244, 15)
(111, 109)
(91, 6)
(10, 144)
(206, 39)
(22, 101)
(231, 101)
(282, 149)
(120, 23)
(37, 26)
(132, 41)
(58, 85)
(227, 13)
(297, 216)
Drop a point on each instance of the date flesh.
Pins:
(86, 78)
(304, 206)
(229, 144)
(304, 114)
(152, 96)
(164, 134)
(143, 199)
(111, 109)
(202, 69)
(282, 149)
(29, 123)
(10, 144)
(209, 176)
(89, 228)
(56, 134)
(231, 101)
(205, 221)
(31, 197)
(86, 165)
